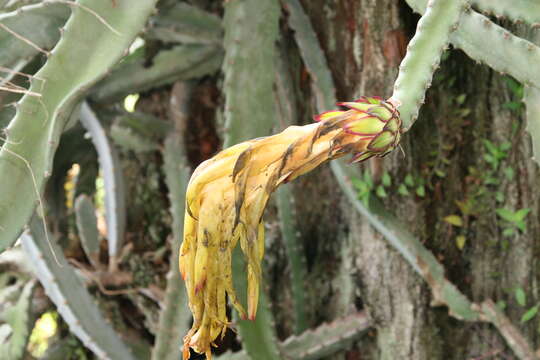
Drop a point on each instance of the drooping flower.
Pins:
(227, 195)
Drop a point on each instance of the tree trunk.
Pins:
(446, 167)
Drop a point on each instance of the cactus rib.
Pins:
(249, 112)
(484, 41)
(183, 62)
(85, 215)
(423, 56)
(19, 319)
(33, 134)
(311, 53)
(174, 318)
(319, 342)
(532, 103)
(285, 206)
(115, 207)
(517, 10)
(186, 24)
(35, 28)
(71, 298)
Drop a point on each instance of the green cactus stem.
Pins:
(19, 318)
(85, 214)
(323, 84)
(33, 134)
(175, 317)
(486, 42)
(249, 112)
(115, 207)
(532, 103)
(72, 300)
(423, 55)
(182, 62)
(411, 248)
(19, 39)
(320, 342)
(517, 10)
(184, 23)
(139, 132)
(285, 205)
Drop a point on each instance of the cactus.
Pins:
(285, 206)
(323, 84)
(183, 62)
(129, 140)
(532, 102)
(412, 250)
(139, 132)
(19, 39)
(20, 320)
(33, 134)
(72, 300)
(186, 24)
(249, 42)
(484, 41)
(518, 10)
(174, 319)
(423, 55)
(319, 342)
(87, 226)
(115, 207)
(144, 125)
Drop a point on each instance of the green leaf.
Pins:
(460, 242)
(368, 179)
(454, 220)
(381, 192)
(521, 298)
(513, 105)
(386, 179)
(521, 213)
(521, 225)
(508, 232)
(440, 173)
(509, 172)
(490, 147)
(506, 214)
(505, 146)
(421, 191)
(529, 314)
(402, 190)
(409, 181)
(461, 99)
(499, 196)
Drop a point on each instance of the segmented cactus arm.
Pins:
(423, 55)
(33, 134)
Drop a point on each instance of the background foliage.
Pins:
(427, 255)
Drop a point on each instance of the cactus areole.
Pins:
(227, 194)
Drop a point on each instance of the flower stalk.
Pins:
(228, 193)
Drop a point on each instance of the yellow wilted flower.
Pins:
(227, 194)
